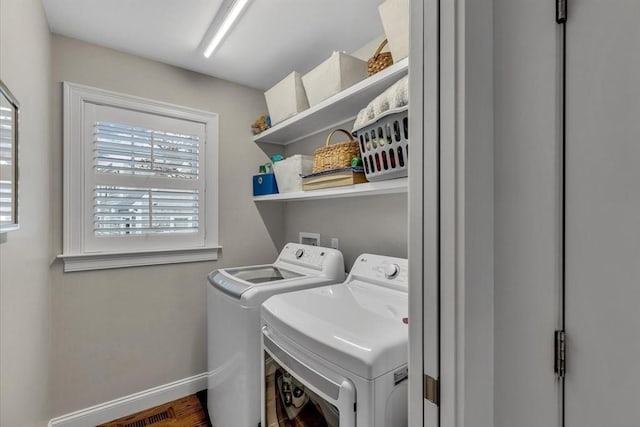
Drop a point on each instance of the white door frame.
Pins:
(451, 211)
(423, 210)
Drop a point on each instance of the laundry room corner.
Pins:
(162, 337)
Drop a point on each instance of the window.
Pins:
(9, 110)
(140, 181)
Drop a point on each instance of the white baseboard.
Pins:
(131, 404)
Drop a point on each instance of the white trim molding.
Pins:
(103, 261)
(133, 403)
(466, 212)
(424, 202)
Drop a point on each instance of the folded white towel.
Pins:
(400, 93)
(395, 96)
(380, 104)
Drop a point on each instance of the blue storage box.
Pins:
(264, 183)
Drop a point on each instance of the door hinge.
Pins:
(560, 367)
(432, 390)
(561, 11)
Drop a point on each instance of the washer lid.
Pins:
(357, 326)
(262, 273)
(236, 281)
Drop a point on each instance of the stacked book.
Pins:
(334, 178)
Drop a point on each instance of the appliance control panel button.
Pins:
(391, 271)
(299, 253)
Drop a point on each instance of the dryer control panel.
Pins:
(383, 270)
(315, 257)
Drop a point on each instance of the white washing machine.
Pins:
(337, 355)
(234, 296)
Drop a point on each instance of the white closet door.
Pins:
(602, 308)
(527, 217)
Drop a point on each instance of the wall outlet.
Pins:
(335, 243)
(312, 239)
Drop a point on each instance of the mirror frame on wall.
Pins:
(10, 107)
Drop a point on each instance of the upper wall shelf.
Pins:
(338, 109)
(391, 186)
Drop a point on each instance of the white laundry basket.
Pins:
(384, 145)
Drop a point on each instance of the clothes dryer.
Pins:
(234, 296)
(336, 356)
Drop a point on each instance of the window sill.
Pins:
(106, 260)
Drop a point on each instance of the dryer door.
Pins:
(294, 393)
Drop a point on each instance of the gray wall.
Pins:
(25, 256)
(526, 212)
(376, 224)
(117, 332)
(372, 224)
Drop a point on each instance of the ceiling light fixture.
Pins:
(229, 20)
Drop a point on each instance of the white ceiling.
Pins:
(271, 39)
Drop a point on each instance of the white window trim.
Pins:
(73, 252)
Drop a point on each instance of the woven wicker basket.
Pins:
(380, 60)
(337, 155)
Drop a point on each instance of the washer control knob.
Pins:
(391, 271)
(299, 253)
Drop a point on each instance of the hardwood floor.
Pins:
(190, 411)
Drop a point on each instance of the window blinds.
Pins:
(124, 149)
(158, 166)
(121, 211)
(6, 161)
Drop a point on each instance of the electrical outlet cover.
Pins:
(312, 239)
(335, 243)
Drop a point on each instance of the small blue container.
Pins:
(264, 183)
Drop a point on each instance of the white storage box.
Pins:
(290, 170)
(395, 20)
(334, 75)
(286, 99)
